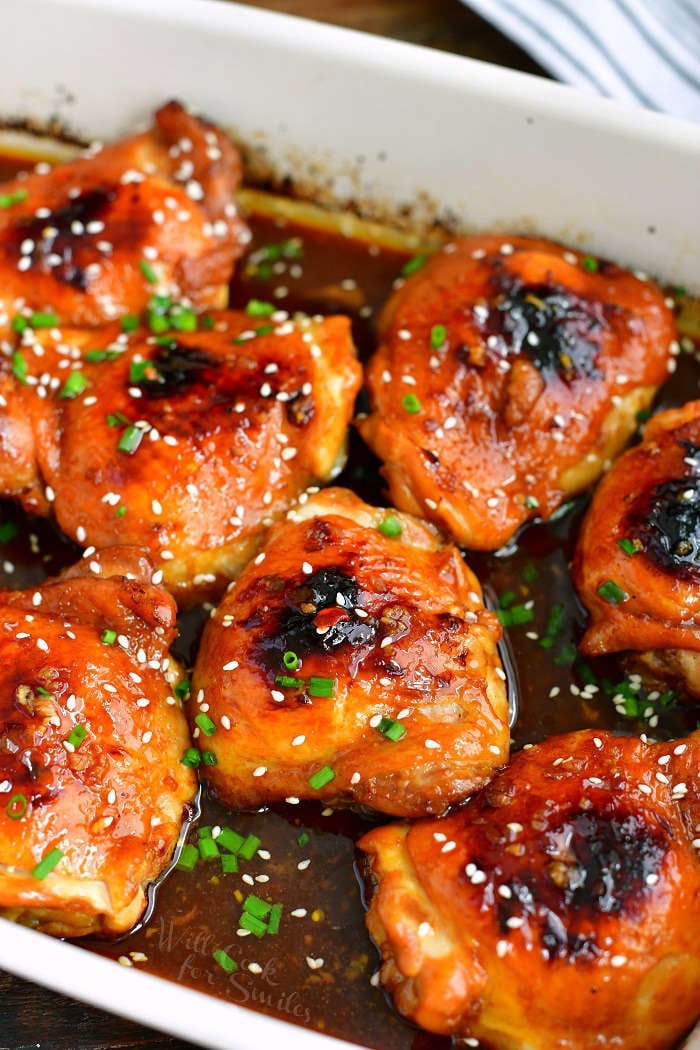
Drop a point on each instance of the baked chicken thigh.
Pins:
(509, 374)
(637, 565)
(189, 444)
(92, 790)
(92, 239)
(559, 908)
(352, 662)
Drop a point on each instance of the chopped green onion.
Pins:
(116, 419)
(43, 320)
(257, 308)
(321, 777)
(19, 323)
(610, 592)
(303, 838)
(643, 415)
(531, 502)
(411, 404)
(530, 573)
(205, 723)
(183, 319)
(158, 323)
(191, 757)
(227, 964)
(108, 636)
(231, 840)
(241, 340)
(249, 848)
(206, 322)
(182, 688)
(121, 511)
(130, 323)
(249, 922)
(506, 599)
(8, 531)
(8, 199)
(254, 906)
(138, 370)
(17, 806)
(321, 687)
(73, 386)
(43, 692)
(515, 615)
(273, 920)
(391, 730)
(390, 527)
(413, 265)
(209, 758)
(566, 655)
(628, 546)
(290, 249)
(555, 622)
(286, 681)
(76, 736)
(148, 272)
(187, 860)
(290, 660)
(130, 440)
(229, 863)
(589, 264)
(205, 831)
(102, 355)
(208, 849)
(19, 367)
(160, 304)
(438, 335)
(47, 864)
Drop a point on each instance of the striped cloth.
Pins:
(643, 51)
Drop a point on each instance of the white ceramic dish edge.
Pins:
(496, 148)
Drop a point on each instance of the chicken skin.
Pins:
(352, 662)
(92, 239)
(198, 440)
(559, 908)
(508, 375)
(637, 565)
(92, 789)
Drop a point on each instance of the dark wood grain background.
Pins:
(32, 1018)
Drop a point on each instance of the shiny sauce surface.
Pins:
(316, 970)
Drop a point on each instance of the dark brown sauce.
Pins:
(197, 913)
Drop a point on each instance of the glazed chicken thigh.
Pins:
(190, 443)
(92, 790)
(559, 908)
(92, 239)
(509, 373)
(637, 565)
(352, 662)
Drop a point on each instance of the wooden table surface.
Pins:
(33, 1017)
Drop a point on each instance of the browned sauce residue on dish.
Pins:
(316, 971)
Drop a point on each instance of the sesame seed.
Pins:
(618, 960)
(260, 771)
(424, 929)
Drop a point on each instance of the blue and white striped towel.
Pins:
(642, 51)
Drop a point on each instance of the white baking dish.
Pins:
(384, 121)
